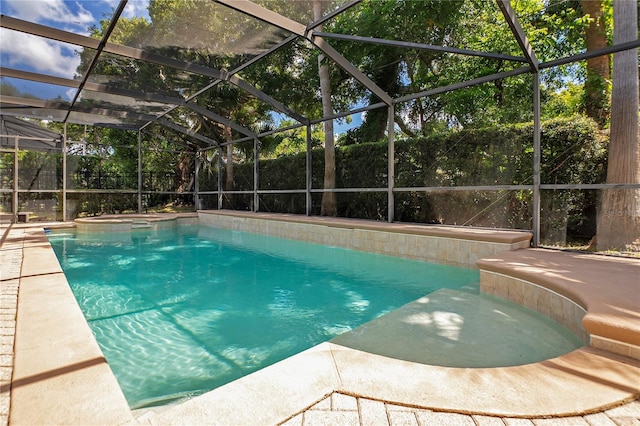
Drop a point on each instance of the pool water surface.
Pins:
(182, 311)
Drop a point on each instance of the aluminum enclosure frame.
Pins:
(317, 39)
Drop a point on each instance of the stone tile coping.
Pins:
(457, 232)
(607, 287)
(581, 382)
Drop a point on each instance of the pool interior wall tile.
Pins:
(556, 308)
(476, 248)
(579, 314)
(402, 248)
(487, 282)
(502, 286)
(463, 258)
(412, 243)
(430, 248)
(569, 315)
(416, 246)
(544, 302)
(530, 296)
(516, 292)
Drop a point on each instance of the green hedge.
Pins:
(572, 151)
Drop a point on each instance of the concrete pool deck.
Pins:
(60, 377)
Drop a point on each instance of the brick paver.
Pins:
(10, 264)
(338, 409)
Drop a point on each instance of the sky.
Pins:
(30, 53)
(35, 54)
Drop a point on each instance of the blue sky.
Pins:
(35, 54)
(30, 53)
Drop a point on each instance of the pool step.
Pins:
(140, 224)
(460, 329)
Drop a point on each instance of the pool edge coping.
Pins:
(620, 397)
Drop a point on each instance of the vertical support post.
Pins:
(391, 166)
(536, 159)
(308, 172)
(139, 172)
(196, 183)
(220, 189)
(256, 174)
(64, 172)
(15, 180)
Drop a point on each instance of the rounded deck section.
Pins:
(598, 297)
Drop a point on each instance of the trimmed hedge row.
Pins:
(572, 151)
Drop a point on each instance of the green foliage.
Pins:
(554, 29)
(572, 151)
(596, 97)
(395, 70)
(565, 102)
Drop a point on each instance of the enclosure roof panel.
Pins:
(131, 63)
(32, 136)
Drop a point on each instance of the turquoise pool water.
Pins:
(180, 312)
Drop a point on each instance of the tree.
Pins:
(555, 29)
(596, 94)
(619, 216)
(329, 200)
(397, 71)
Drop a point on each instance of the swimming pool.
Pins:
(179, 312)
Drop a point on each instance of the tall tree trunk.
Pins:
(184, 173)
(619, 216)
(229, 183)
(598, 74)
(329, 200)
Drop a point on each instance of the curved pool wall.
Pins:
(547, 302)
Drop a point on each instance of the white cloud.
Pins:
(70, 94)
(43, 11)
(134, 8)
(25, 51)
